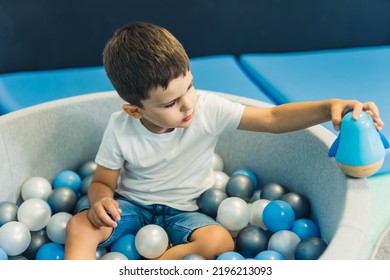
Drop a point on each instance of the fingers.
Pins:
(341, 108)
(373, 111)
(105, 213)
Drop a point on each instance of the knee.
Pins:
(214, 241)
(76, 223)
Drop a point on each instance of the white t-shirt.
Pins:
(172, 168)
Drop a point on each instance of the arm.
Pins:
(101, 197)
(294, 116)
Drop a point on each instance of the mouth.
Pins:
(187, 119)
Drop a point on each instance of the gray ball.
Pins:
(62, 199)
(273, 191)
(86, 169)
(8, 212)
(191, 257)
(210, 200)
(299, 203)
(38, 238)
(241, 186)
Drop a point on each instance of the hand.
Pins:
(105, 212)
(341, 107)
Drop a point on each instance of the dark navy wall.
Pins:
(49, 34)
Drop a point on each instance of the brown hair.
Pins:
(141, 57)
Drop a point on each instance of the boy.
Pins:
(162, 143)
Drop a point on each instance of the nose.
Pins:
(186, 104)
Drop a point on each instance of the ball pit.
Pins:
(340, 205)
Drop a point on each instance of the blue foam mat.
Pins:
(358, 73)
(24, 89)
(223, 73)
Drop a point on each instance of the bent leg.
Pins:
(82, 237)
(209, 241)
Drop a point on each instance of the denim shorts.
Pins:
(178, 224)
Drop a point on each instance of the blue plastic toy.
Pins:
(359, 149)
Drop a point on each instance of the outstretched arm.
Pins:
(299, 115)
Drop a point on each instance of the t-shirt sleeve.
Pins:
(220, 114)
(110, 154)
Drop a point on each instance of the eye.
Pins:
(170, 104)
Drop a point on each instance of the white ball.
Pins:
(151, 241)
(56, 228)
(221, 179)
(233, 213)
(284, 242)
(256, 212)
(36, 187)
(35, 213)
(15, 238)
(218, 164)
(113, 256)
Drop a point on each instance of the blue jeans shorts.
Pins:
(178, 224)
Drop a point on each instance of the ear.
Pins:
(133, 111)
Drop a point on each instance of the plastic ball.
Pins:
(252, 175)
(192, 257)
(218, 163)
(62, 199)
(35, 213)
(256, 212)
(38, 238)
(86, 169)
(210, 200)
(126, 246)
(233, 213)
(18, 258)
(269, 255)
(36, 187)
(305, 228)
(278, 215)
(284, 242)
(8, 212)
(241, 186)
(100, 252)
(230, 256)
(273, 191)
(310, 248)
(85, 184)
(113, 256)
(251, 240)
(3, 255)
(81, 204)
(299, 203)
(14, 238)
(255, 196)
(50, 251)
(56, 228)
(67, 178)
(221, 179)
(151, 241)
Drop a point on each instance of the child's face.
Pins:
(172, 107)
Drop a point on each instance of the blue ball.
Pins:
(278, 215)
(230, 256)
(3, 255)
(50, 251)
(68, 178)
(126, 246)
(305, 228)
(250, 174)
(269, 255)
